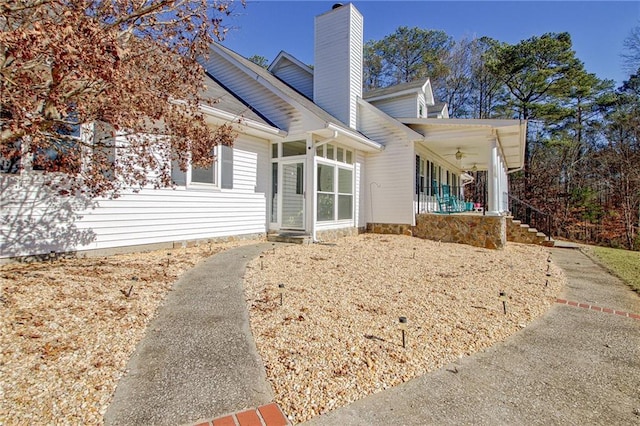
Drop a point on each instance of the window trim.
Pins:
(337, 166)
(224, 159)
(26, 160)
(216, 173)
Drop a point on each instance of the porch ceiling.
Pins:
(473, 138)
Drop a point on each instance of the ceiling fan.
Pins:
(458, 154)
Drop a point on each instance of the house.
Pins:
(314, 155)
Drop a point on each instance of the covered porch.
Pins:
(469, 147)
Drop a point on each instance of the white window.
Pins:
(63, 153)
(335, 183)
(219, 173)
(345, 193)
(326, 192)
(335, 192)
(342, 155)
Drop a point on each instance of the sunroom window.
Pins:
(326, 192)
(335, 193)
(345, 194)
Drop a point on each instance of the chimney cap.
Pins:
(337, 5)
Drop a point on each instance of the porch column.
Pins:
(501, 188)
(504, 189)
(493, 185)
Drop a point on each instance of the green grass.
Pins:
(624, 263)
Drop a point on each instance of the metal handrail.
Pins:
(531, 216)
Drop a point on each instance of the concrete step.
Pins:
(548, 242)
(289, 237)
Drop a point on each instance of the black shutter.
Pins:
(417, 174)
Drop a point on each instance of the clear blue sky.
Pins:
(597, 28)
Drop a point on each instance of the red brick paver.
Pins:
(598, 308)
(248, 418)
(224, 421)
(272, 415)
(265, 415)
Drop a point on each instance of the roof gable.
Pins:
(293, 72)
(287, 93)
(416, 87)
(223, 99)
(284, 59)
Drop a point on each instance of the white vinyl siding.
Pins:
(389, 182)
(147, 217)
(403, 107)
(295, 77)
(338, 70)
(277, 110)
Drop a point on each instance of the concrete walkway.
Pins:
(198, 360)
(573, 366)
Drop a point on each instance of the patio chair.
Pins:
(442, 200)
(447, 202)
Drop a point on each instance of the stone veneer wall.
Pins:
(389, 228)
(475, 230)
(334, 234)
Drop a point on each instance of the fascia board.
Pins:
(355, 136)
(253, 127)
(276, 91)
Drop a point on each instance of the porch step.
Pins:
(522, 233)
(548, 242)
(290, 237)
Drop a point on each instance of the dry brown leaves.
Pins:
(67, 329)
(336, 337)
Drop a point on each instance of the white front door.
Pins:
(293, 194)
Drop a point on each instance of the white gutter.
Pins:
(523, 140)
(353, 135)
(497, 136)
(234, 118)
(327, 140)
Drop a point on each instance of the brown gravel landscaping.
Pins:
(336, 339)
(67, 329)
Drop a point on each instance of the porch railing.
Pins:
(528, 214)
(446, 199)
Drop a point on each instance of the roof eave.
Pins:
(367, 143)
(242, 124)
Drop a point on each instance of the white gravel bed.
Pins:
(336, 338)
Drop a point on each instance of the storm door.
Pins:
(293, 193)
